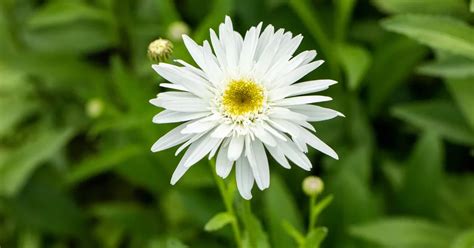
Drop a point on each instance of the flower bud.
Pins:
(160, 50)
(94, 107)
(176, 30)
(313, 186)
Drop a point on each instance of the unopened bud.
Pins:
(160, 50)
(176, 30)
(313, 185)
(94, 107)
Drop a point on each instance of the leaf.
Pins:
(453, 67)
(417, 196)
(22, 162)
(321, 205)
(254, 235)
(438, 7)
(344, 10)
(471, 8)
(439, 116)
(463, 92)
(355, 61)
(101, 163)
(220, 9)
(219, 221)
(293, 232)
(464, 240)
(438, 32)
(286, 212)
(315, 237)
(386, 61)
(404, 233)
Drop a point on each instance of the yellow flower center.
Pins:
(242, 97)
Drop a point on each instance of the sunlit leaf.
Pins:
(219, 221)
(355, 61)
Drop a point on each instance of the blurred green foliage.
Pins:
(75, 126)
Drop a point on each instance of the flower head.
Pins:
(242, 100)
(313, 186)
(160, 50)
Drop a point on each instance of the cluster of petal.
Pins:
(281, 127)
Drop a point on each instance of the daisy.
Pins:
(242, 101)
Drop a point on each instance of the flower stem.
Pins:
(312, 215)
(228, 202)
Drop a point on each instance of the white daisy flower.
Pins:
(242, 100)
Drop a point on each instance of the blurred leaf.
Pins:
(439, 116)
(220, 9)
(458, 200)
(22, 162)
(355, 61)
(451, 67)
(43, 206)
(405, 233)
(293, 232)
(471, 8)
(219, 221)
(342, 18)
(439, 32)
(286, 212)
(448, 7)
(464, 240)
(101, 163)
(254, 235)
(166, 242)
(321, 205)
(386, 61)
(417, 196)
(69, 27)
(18, 109)
(29, 239)
(315, 237)
(463, 92)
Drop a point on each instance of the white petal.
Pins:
(180, 102)
(200, 126)
(194, 50)
(284, 113)
(244, 178)
(170, 139)
(218, 49)
(214, 150)
(173, 86)
(317, 144)
(264, 136)
(294, 154)
(259, 163)
(311, 86)
(299, 100)
(199, 150)
(168, 116)
(297, 74)
(278, 156)
(235, 147)
(316, 113)
(223, 164)
(222, 131)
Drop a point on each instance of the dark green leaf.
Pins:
(355, 61)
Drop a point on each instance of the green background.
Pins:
(75, 125)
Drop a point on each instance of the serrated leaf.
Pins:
(438, 32)
(405, 232)
(441, 7)
(453, 67)
(315, 237)
(440, 116)
(355, 61)
(218, 221)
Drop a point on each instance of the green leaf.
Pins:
(471, 8)
(315, 237)
(321, 205)
(464, 240)
(101, 163)
(441, 7)
(417, 196)
(22, 162)
(254, 235)
(220, 9)
(439, 116)
(286, 212)
(344, 10)
(438, 32)
(405, 233)
(463, 92)
(218, 221)
(386, 61)
(453, 67)
(355, 61)
(293, 232)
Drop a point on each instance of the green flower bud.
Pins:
(160, 50)
(313, 186)
(176, 30)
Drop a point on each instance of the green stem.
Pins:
(228, 202)
(312, 215)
